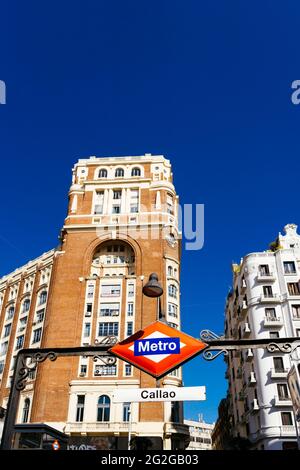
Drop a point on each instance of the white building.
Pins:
(264, 303)
(200, 435)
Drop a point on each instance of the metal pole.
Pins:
(129, 425)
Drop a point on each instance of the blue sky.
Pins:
(207, 84)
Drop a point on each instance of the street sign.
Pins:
(124, 395)
(158, 349)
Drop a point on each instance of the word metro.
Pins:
(151, 346)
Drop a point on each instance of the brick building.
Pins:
(121, 226)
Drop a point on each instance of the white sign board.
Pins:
(123, 395)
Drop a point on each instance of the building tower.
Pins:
(121, 226)
(264, 303)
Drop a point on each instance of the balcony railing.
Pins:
(264, 276)
(270, 298)
(288, 430)
(273, 321)
(282, 401)
(279, 373)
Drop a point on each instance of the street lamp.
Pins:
(154, 289)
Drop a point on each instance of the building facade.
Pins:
(200, 435)
(264, 303)
(121, 226)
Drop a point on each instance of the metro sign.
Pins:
(158, 349)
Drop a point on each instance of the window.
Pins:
(170, 209)
(278, 364)
(264, 270)
(10, 312)
(170, 271)
(173, 310)
(274, 334)
(90, 291)
(110, 290)
(117, 193)
(83, 369)
(128, 369)
(105, 370)
(126, 412)
(172, 289)
(130, 309)
(119, 173)
(116, 209)
(87, 330)
(270, 313)
(99, 201)
(3, 348)
(103, 408)
(102, 174)
(20, 342)
(40, 315)
(296, 311)
(37, 334)
(283, 393)
(286, 418)
(173, 325)
(109, 310)
(130, 290)
(293, 288)
(7, 329)
(25, 306)
(267, 290)
(2, 367)
(289, 267)
(134, 201)
(129, 331)
(108, 329)
(298, 333)
(80, 408)
(25, 411)
(135, 172)
(42, 297)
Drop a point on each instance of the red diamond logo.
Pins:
(158, 349)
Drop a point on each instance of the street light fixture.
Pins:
(154, 289)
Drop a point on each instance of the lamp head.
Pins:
(153, 287)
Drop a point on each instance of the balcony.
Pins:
(246, 330)
(279, 373)
(282, 401)
(265, 277)
(269, 298)
(176, 428)
(249, 355)
(99, 427)
(288, 430)
(251, 379)
(254, 405)
(273, 322)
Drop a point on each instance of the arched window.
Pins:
(26, 305)
(43, 297)
(119, 173)
(102, 174)
(136, 172)
(172, 291)
(170, 271)
(25, 411)
(103, 408)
